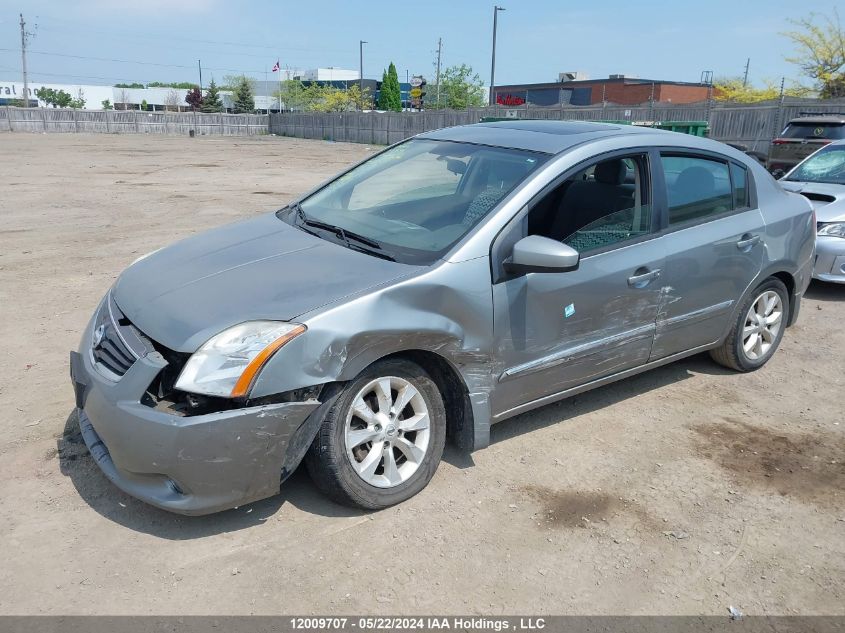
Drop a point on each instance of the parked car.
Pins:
(450, 282)
(821, 179)
(800, 138)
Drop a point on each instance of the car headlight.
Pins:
(833, 229)
(228, 363)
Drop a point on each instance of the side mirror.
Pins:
(537, 254)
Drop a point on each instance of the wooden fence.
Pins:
(131, 122)
(752, 125)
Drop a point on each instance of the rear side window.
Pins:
(739, 179)
(814, 130)
(697, 188)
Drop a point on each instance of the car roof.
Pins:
(821, 118)
(551, 137)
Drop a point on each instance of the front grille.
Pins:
(112, 337)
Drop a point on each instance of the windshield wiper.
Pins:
(372, 246)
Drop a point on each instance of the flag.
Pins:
(276, 66)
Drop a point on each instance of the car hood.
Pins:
(262, 268)
(827, 199)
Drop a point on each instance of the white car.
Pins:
(821, 178)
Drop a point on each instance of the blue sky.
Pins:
(653, 39)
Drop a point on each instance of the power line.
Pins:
(130, 61)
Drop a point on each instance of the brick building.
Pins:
(615, 89)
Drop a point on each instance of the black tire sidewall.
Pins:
(355, 488)
(746, 363)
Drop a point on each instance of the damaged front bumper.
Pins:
(830, 259)
(186, 464)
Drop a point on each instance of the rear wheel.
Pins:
(758, 329)
(382, 440)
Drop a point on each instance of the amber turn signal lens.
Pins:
(249, 374)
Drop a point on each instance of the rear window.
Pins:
(814, 130)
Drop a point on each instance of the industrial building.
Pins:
(571, 89)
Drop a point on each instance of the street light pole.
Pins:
(496, 10)
(361, 70)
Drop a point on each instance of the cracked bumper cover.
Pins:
(189, 465)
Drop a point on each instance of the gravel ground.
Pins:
(685, 490)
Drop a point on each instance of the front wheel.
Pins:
(758, 329)
(381, 441)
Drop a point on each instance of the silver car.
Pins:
(448, 283)
(821, 179)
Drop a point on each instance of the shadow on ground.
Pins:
(823, 291)
(111, 503)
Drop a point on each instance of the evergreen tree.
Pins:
(244, 102)
(211, 101)
(382, 95)
(394, 94)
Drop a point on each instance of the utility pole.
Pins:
(24, 35)
(437, 78)
(496, 10)
(361, 70)
(745, 78)
(199, 65)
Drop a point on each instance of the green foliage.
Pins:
(179, 85)
(244, 102)
(211, 101)
(460, 88)
(55, 98)
(820, 51)
(314, 97)
(730, 89)
(132, 85)
(79, 102)
(390, 96)
(144, 105)
(106, 103)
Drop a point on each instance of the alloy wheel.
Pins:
(763, 322)
(387, 431)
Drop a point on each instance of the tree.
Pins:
(244, 102)
(390, 96)
(56, 98)
(732, 89)
(79, 102)
(144, 105)
(171, 101)
(107, 104)
(211, 101)
(820, 51)
(194, 98)
(293, 95)
(460, 88)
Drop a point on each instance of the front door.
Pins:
(555, 331)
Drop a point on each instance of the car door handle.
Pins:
(747, 241)
(643, 277)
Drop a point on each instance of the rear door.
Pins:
(713, 237)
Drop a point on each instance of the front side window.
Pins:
(416, 200)
(602, 205)
(827, 165)
(697, 188)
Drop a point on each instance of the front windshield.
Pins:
(827, 165)
(417, 199)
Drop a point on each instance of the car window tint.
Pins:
(739, 179)
(604, 204)
(813, 130)
(697, 188)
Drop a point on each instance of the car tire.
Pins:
(369, 455)
(758, 329)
